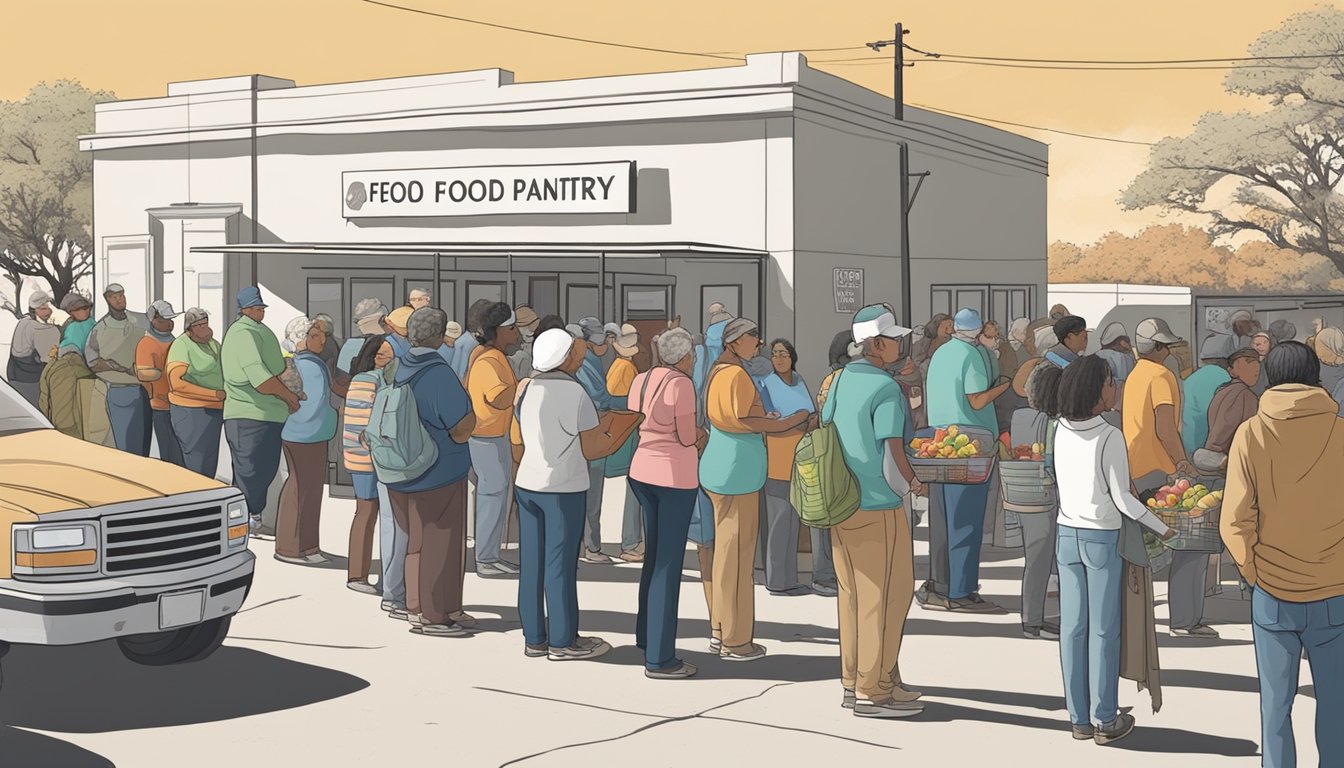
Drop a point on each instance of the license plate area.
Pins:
(181, 609)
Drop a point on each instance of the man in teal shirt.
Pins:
(1198, 389)
(961, 391)
(256, 402)
(874, 557)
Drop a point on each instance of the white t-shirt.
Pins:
(555, 410)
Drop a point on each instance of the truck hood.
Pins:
(44, 471)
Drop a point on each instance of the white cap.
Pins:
(551, 349)
(1153, 331)
(874, 321)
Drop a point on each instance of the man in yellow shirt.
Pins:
(1151, 417)
(491, 386)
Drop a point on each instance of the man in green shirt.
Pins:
(961, 391)
(873, 549)
(256, 402)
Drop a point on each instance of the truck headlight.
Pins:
(55, 549)
(237, 523)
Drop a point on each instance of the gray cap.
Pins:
(113, 288)
(593, 330)
(1152, 332)
(39, 299)
(575, 330)
(74, 301)
(738, 328)
(161, 309)
(367, 308)
(194, 316)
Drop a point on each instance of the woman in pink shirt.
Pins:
(664, 476)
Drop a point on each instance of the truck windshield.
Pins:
(16, 415)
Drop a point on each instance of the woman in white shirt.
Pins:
(1092, 471)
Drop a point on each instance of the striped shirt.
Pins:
(358, 409)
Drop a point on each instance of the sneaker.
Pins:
(632, 557)
(388, 606)
(399, 614)
(1200, 631)
(825, 590)
(934, 602)
(903, 695)
(797, 591)
(886, 708)
(751, 652)
(1046, 632)
(308, 560)
(583, 648)
(462, 619)
(502, 565)
(597, 558)
(363, 587)
(847, 701)
(493, 570)
(439, 630)
(536, 651)
(679, 672)
(972, 604)
(1083, 732)
(715, 646)
(1114, 731)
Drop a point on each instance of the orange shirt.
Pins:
(621, 376)
(488, 375)
(1149, 385)
(151, 358)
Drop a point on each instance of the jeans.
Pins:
(823, 566)
(964, 506)
(550, 527)
(197, 431)
(1038, 548)
(492, 460)
(597, 478)
(392, 543)
(667, 519)
(128, 410)
(170, 450)
(778, 545)
(255, 447)
(1282, 630)
(1090, 583)
(938, 578)
(632, 526)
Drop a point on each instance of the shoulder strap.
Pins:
(830, 399)
(643, 404)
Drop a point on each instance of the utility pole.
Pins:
(898, 112)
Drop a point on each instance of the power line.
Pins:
(1293, 57)
(552, 35)
(867, 61)
(1033, 127)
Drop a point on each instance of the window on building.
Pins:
(326, 296)
(447, 299)
(580, 301)
(730, 296)
(488, 290)
(543, 293)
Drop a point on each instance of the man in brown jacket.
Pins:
(1232, 405)
(1283, 530)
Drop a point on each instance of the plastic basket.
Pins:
(974, 471)
(1027, 487)
(1194, 533)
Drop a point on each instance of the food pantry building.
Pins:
(770, 187)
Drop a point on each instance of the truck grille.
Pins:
(165, 538)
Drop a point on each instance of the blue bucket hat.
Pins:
(250, 297)
(967, 320)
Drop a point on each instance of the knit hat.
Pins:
(738, 328)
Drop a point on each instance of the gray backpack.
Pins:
(401, 448)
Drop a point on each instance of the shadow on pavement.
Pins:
(1221, 681)
(772, 668)
(34, 750)
(93, 689)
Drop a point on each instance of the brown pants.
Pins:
(436, 550)
(737, 525)
(875, 572)
(361, 539)
(706, 554)
(300, 514)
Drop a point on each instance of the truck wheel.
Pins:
(178, 646)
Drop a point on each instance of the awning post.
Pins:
(508, 268)
(602, 285)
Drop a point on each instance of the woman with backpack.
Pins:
(369, 373)
(306, 434)
(664, 478)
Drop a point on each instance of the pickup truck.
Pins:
(97, 544)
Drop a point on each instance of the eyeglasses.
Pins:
(780, 353)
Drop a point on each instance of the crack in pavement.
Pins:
(665, 720)
(270, 602)
(310, 645)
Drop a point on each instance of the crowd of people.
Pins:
(533, 414)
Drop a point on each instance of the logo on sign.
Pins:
(848, 290)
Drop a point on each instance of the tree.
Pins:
(46, 189)
(1275, 172)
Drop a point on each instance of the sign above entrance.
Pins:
(490, 190)
(848, 290)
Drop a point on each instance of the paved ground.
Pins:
(314, 674)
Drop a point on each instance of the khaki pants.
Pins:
(436, 550)
(875, 572)
(737, 524)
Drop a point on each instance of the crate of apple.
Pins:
(1183, 496)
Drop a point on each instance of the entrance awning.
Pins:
(488, 249)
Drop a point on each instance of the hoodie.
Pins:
(442, 403)
(1279, 521)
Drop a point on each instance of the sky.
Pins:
(135, 47)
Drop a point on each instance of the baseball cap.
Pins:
(162, 309)
(248, 298)
(551, 349)
(593, 330)
(74, 301)
(526, 316)
(612, 329)
(967, 319)
(575, 330)
(1244, 353)
(1152, 332)
(39, 299)
(875, 320)
(1112, 333)
(113, 288)
(193, 316)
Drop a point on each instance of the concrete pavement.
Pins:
(314, 674)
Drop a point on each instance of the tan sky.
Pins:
(134, 47)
